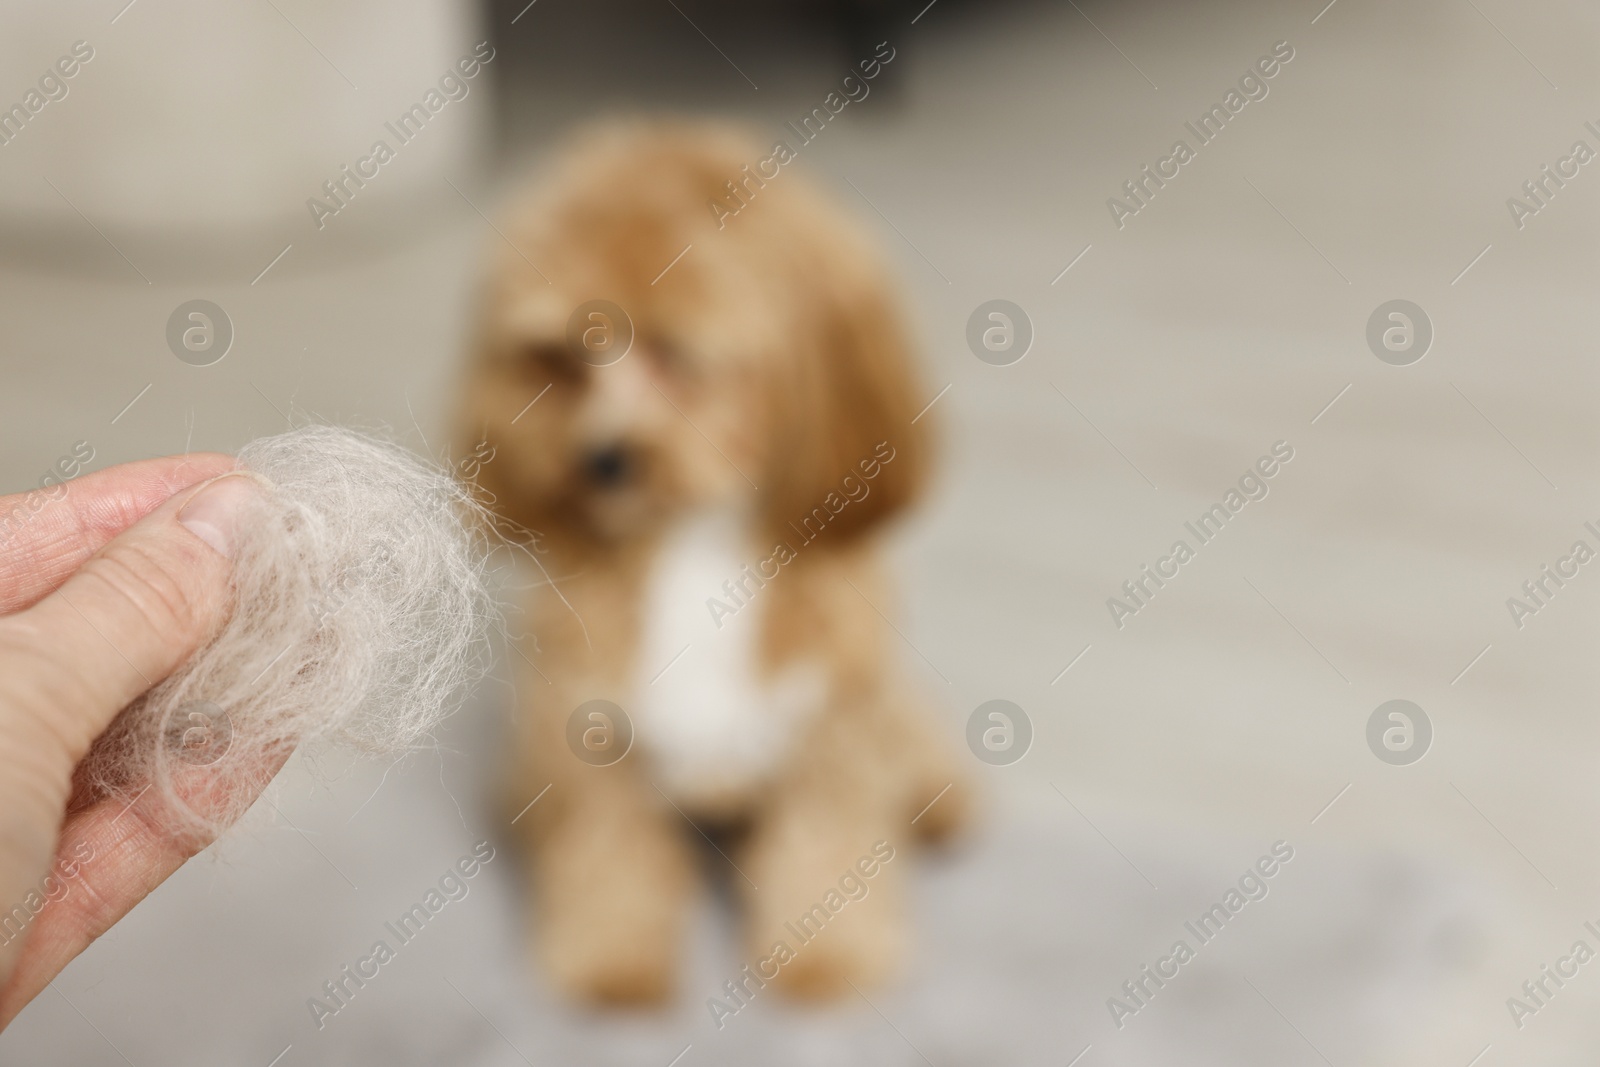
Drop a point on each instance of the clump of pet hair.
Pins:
(360, 619)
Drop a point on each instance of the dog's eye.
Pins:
(671, 361)
(550, 362)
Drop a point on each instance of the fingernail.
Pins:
(215, 514)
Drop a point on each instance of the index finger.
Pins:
(44, 538)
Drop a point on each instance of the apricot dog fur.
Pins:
(766, 403)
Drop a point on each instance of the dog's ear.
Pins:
(845, 453)
(485, 404)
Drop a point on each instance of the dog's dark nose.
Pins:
(609, 467)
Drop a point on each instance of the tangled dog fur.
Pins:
(360, 618)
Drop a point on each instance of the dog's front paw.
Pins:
(612, 896)
(827, 968)
(604, 950)
(604, 971)
(942, 810)
(823, 947)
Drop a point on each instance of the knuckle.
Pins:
(160, 589)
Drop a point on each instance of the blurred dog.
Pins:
(706, 459)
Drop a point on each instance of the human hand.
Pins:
(103, 593)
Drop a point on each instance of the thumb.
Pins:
(132, 614)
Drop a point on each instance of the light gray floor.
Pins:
(1224, 317)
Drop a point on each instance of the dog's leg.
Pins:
(939, 791)
(612, 875)
(829, 851)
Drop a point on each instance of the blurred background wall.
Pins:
(1170, 352)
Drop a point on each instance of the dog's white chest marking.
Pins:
(708, 721)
